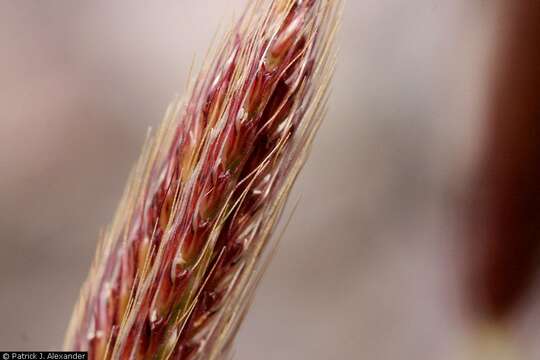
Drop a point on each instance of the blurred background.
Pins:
(371, 265)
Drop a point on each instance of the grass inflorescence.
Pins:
(175, 272)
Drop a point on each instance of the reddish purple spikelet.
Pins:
(174, 274)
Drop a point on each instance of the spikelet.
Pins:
(174, 273)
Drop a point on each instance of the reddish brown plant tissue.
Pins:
(174, 273)
(505, 236)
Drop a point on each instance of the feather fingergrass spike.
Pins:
(175, 272)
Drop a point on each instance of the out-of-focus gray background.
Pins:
(369, 267)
